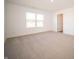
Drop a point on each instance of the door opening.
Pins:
(60, 23)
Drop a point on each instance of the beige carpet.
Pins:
(48, 45)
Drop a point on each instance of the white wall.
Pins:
(68, 20)
(5, 17)
(16, 22)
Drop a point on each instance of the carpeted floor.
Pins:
(47, 45)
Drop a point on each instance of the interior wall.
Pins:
(16, 20)
(5, 17)
(68, 20)
(16, 23)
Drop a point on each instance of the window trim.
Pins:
(36, 14)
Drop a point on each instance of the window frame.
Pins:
(36, 20)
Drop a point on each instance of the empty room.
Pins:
(39, 29)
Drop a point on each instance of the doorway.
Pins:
(60, 23)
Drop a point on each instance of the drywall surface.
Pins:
(5, 17)
(16, 20)
(68, 20)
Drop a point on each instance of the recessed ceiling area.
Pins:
(45, 4)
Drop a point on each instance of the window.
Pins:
(40, 19)
(34, 20)
(30, 19)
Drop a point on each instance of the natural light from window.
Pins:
(34, 20)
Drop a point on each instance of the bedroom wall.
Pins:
(5, 17)
(68, 20)
(16, 22)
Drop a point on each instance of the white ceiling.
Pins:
(45, 4)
